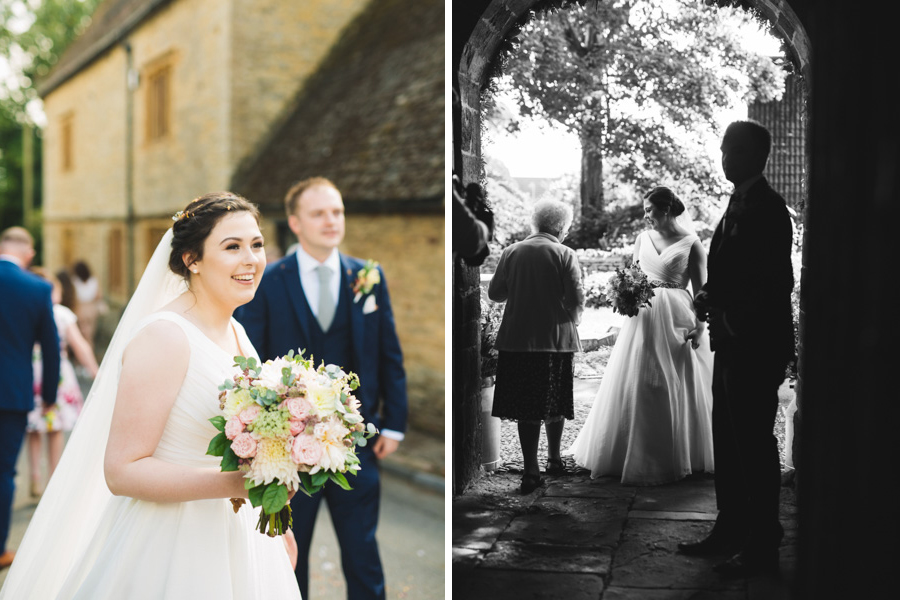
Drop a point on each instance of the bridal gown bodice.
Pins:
(187, 550)
(651, 418)
(670, 265)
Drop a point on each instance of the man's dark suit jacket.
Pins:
(26, 318)
(278, 320)
(750, 275)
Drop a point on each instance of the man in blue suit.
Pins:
(26, 318)
(311, 301)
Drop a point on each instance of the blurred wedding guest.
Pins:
(90, 301)
(26, 318)
(540, 281)
(69, 399)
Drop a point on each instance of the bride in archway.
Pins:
(651, 421)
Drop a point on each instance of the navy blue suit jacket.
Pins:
(26, 318)
(278, 320)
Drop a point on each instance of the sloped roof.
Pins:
(110, 23)
(371, 118)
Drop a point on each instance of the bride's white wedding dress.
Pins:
(651, 421)
(192, 550)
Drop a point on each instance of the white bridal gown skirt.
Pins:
(651, 421)
(190, 550)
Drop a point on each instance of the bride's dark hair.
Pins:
(664, 198)
(194, 224)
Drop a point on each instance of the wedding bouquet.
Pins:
(288, 426)
(628, 290)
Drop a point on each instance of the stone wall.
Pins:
(410, 249)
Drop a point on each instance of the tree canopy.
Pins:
(33, 35)
(641, 83)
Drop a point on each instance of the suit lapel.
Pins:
(294, 291)
(348, 272)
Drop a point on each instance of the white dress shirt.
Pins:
(309, 279)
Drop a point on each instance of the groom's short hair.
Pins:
(292, 198)
(756, 133)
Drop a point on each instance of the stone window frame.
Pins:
(157, 74)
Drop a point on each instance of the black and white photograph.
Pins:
(673, 341)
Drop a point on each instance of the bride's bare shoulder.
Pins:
(160, 337)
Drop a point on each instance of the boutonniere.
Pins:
(366, 279)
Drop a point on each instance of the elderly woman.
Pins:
(540, 281)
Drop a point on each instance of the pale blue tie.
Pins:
(326, 301)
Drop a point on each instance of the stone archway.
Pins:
(489, 24)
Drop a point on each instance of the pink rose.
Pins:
(248, 414)
(306, 450)
(300, 408)
(297, 425)
(244, 445)
(233, 427)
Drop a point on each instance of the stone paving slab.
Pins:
(529, 556)
(478, 529)
(586, 510)
(647, 557)
(693, 494)
(585, 487)
(670, 515)
(491, 584)
(562, 529)
(621, 593)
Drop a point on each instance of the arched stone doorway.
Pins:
(477, 53)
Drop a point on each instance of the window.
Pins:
(159, 102)
(65, 134)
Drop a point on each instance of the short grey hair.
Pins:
(551, 216)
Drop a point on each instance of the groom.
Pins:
(26, 318)
(306, 301)
(748, 300)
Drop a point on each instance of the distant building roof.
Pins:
(110, 23)
(371, 118)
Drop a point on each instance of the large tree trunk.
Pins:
(591, 176)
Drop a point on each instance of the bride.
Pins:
(651, 419)
(136, 509)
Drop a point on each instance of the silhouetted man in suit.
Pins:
(307, 301)
(748, 300)
(26, 318)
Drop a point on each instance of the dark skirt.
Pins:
(534, 386)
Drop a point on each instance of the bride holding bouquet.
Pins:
(137, 508)
(651, 421)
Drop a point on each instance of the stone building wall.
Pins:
(416, 283)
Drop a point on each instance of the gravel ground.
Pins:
(590, 365)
